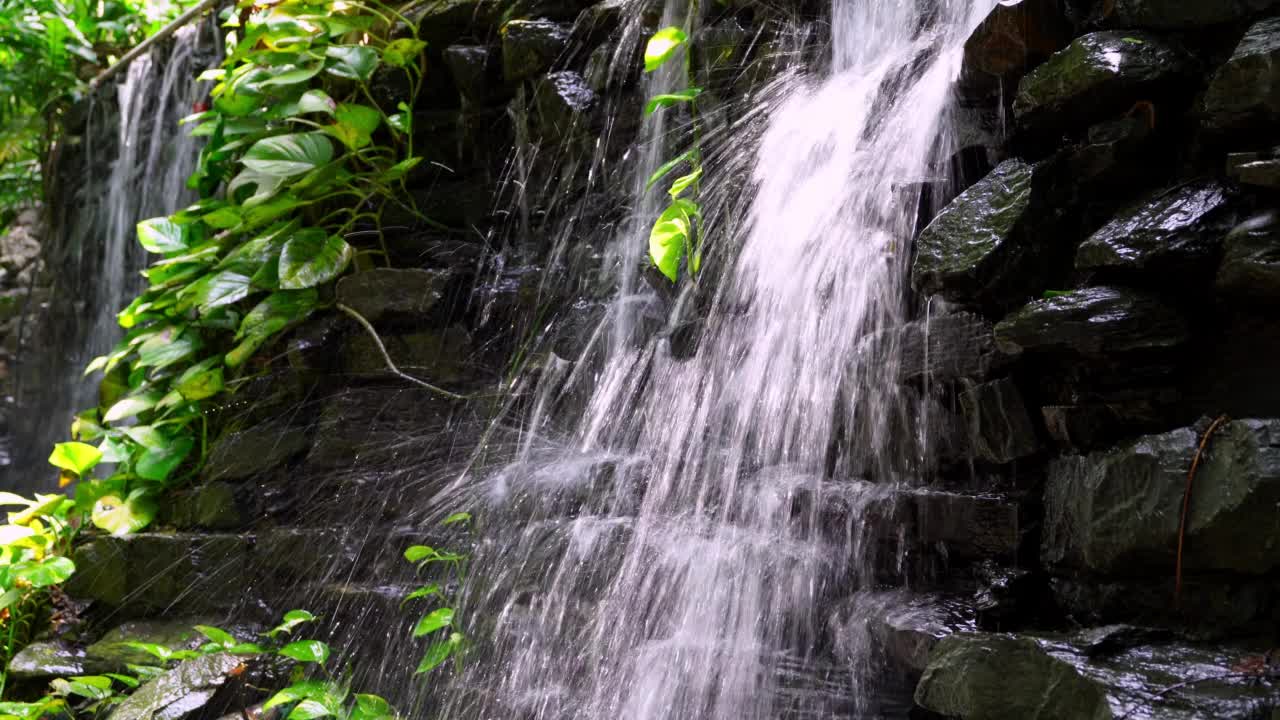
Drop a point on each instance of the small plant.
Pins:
(442, 618)
(676, 234)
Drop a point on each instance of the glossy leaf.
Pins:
(402, 52)
(669, 99)
(434, 621)
(289, 155)
(439, 652)
(312, 651)
(201, 381)
(666, 168)
(162, 235)
(217, 635)
(292, 619)
(132, 405)
(122, 517)
(292, 74)
(667, 243)
(43, 573)
(311, 258)
(77, 457)
(356, 62)
(662, 46)
(158, 463)
(275, 313)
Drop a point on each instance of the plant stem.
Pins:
(386, 357)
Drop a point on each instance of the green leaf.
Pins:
(223, 218)
(164, 349)
(418, 553)
(289, 155)
(439, 652)
(370, 707)
(50, 571)
(162, 235)
(434, 621)
(217, 289)
(356, 62)
(217, 635)
(316, 101)
(424, 591)
(307, 689)
(400, 169)
(666, 168)
(132, 405)
(312, 651)
(126, 680)
(160, 652)
(669, 99)
(355, 125)
(122, 517)
(201, 381)
(662, 46)
(158, 463)
(684, 182)
(309, 709)
(311, 258)
(292, 619)
(276, 312)
(460, 517)
(292, 74)
(668, 241)
(77, 457)
(402, 52)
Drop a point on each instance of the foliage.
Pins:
(298, 154)
(440, 622)
(89, 696)
(676, 234)
(47, 49)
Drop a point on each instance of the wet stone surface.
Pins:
(1093, 321)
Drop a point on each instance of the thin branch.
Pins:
(1186, 505)
(387, 356)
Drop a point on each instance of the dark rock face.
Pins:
(948, 347)
(530, 47)
(1251, 266)
(1178, 228)
(985, 677)
(1097, 76)
(979, 248)
(469, 65)
(1245, 93)
(1014, 38)
(241, 455)
(1183, 14)
(1118, 512)
(563, 100)
(154, 572)
(1001, 427)
(1256, 169)
(1093, 322)
(181, 692)
(385, 292)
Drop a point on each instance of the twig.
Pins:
(1186, 505)
(387, 356)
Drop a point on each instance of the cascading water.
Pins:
(135, 135)
(672, 559)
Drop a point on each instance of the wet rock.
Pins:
(1251, 265)
(987, 677)
(1089, 425)
(972, 527)
(1177, 229)
(905, 626)
(444, 21)
(439, 356)
(181, 692)
(1244, 94)
(246, 453)
(1113, 155)
(1001, 429)
(1183, 14)
(564, 101)
(531, 47)
(1095, 77)
(384, 293)
(152, 572)
(1013, 38)
(210, 505)
(948, 347)
(47, 660)
(1008, 597)
(1213, 605)
(1256, 169)
(1094, 321)
(981, 246)
(470, 67)
(1117, 512)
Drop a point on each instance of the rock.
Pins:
(948, 347)
(1113, 155)
(255, 451)
(155, 572)
(1251, 265)
(181, 692)
(1013, 38)
(1244, 94)
(905, 626)
(1212, 605)
(1183, 14)
(439, 356)
(1009, 597)
(1001, 430)
(980, 247)
(971, 527)
(1098, 76)
(564, 101)
(112, 653)
(1094, 321)
(442, 22)
(209, 505)
(1258, 173)
(470, 67)
(1176, 229)
(531, 47)
(1117, 512)
(384, 293)
(47, 660)
(974, 676)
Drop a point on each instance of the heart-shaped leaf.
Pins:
(311, 258)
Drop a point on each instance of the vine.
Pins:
(676, 234)
(299, 154)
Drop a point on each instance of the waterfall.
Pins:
(132, 163)
(672, 558)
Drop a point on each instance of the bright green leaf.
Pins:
(77, 457)
(311, 258)
(434, 621)
(122, 517)
(662, 46)
(312, 651)
(289, 155)
(356, 62)
(669, 99)
(162, 235)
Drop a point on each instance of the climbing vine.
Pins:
(299, 154)
(676, 234)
